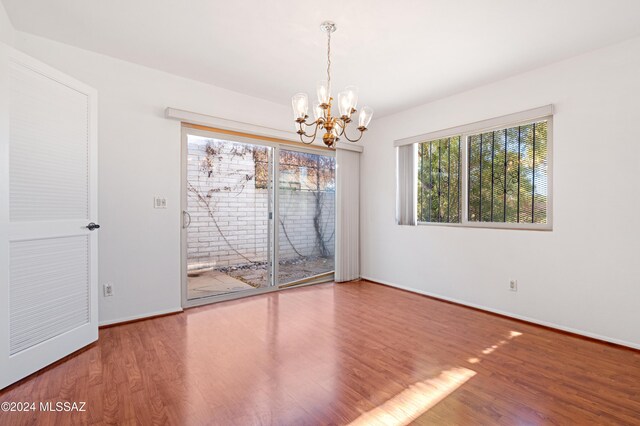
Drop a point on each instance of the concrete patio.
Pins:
(225, 280)
(213, 283)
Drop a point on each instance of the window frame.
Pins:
(464, 171)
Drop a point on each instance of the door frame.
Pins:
(273, 238)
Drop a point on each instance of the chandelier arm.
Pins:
(304, 133)
(313, 123)
(354, 140)
(305, 142)
(342, 125)
(315, 131)
(301, 130)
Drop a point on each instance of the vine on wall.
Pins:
(298, 172)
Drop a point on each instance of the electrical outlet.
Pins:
(513, 285)
(107, 289)
(159, 203)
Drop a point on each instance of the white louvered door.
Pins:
(48, 256)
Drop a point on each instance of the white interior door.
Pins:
(48, 197)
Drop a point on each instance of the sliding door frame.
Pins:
(274, 231)
(186, 302)
(310, 280)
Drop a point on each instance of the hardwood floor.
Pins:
(357, 353)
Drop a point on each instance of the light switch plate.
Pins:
(159, 203)
(107, 290)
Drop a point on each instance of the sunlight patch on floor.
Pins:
(490, 349)
(414, 401)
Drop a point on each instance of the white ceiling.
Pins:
(400, 53)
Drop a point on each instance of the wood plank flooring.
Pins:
(356, 353)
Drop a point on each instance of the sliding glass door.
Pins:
(228, 217)
(306, 216)
(257, 216)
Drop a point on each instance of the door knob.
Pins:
(92, 226)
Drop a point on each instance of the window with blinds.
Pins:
(499, 177)
(439, 180)
(507, 175)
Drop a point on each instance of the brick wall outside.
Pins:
(240, 212)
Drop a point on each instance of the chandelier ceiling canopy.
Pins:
(334, 127)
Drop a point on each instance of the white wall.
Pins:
(585, 274)
(6, 28)
(139, 158)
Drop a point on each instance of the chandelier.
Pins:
(334, 127)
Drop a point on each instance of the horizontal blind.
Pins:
(507, 175)
(439, 180)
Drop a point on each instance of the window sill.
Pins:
(488, 225)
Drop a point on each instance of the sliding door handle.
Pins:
(186, 215)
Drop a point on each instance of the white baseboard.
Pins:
(140, 317)
(511, 315)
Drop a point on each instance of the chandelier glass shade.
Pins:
(333, 126)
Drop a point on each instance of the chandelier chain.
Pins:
(329, 60)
